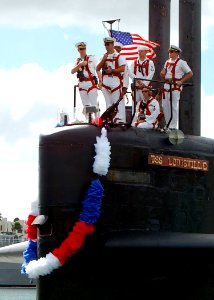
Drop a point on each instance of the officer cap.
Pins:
(175, 48)
(143, 48)
(118, 44)
(109, 39)
(81, 45)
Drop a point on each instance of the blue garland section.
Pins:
(29, 254)
(92, 203)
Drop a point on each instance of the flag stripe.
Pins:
(131, 43)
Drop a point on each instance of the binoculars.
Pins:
(80, 74)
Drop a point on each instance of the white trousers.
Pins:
(88, 98)
(146, 125)
(175, 108)
(112, 97)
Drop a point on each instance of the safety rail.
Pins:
(7, 240)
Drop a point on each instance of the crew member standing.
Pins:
(85, 67)
(110, 72)
(148, 111)
(118, 46)
(143, 68)
(175, 71)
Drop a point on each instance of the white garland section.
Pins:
(102, 158)
(34, 208)
(45, 265)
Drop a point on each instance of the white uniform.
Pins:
(143, 69)
(151, 112)
(112, 84)
(126, 77)
(175, 70)
(87, 87)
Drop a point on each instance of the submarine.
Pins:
(154, 200)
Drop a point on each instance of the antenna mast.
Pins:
(110, 22)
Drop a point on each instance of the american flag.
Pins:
(131, 43)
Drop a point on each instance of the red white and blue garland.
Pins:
(92, 203)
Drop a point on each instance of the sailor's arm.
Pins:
(154, 113)
(79, 65)
(186, 77)
(163, 73)
(99, 75)
(151, 70)
(102, 62)
(119, 70)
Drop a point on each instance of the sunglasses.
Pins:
(81, 48)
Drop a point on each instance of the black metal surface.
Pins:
(152, 217)
(190, 43)
(159, 31)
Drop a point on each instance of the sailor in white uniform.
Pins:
(143, 68)
(85, 68)
(176, 71)
(110, 71)
(148, 111)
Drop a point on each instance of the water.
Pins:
(18, 293)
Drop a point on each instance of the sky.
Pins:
(37, 52)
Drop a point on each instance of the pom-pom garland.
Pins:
(31, 230)
(85, 226)
(73, 242)
(43, 266)
(103, 151)
(35, 208)
(30, 254)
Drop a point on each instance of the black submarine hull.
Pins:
(154, 218)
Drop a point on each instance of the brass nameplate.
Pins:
(178, 162)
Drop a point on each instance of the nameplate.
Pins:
(178, 162)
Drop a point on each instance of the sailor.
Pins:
(148, 111)
(176, 71)
(118, 46)
(110, 71)
(85, 68)
(143, 68)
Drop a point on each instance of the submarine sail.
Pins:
(156, 213)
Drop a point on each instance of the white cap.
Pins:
(109, 39)
(175, 48)
(81, 45)
(118, 44)
(145, 48)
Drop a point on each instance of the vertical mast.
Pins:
(190, 43)
(159, 31)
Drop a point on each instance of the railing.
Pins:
(7, 240)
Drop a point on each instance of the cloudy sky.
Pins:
(36, 54)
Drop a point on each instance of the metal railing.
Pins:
(6, 240)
